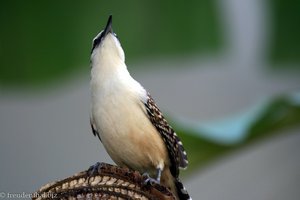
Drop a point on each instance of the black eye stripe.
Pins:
(97, 41)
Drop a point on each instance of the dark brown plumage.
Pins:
(177, 154)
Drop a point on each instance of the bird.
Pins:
(127, 120)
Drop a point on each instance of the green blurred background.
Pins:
(48, 43)
(41, 41)
(44, 40)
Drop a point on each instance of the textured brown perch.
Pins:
(108, 182)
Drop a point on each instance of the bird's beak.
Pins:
(108, 28)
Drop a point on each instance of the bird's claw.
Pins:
(149, 180)
(93, 169)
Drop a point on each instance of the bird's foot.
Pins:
(93, 169)
(149, 180)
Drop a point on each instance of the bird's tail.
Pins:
(181, 191)
(175, 185)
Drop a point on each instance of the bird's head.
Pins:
(106, 46)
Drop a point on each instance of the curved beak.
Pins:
(108, 28)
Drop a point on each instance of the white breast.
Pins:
(120, 117)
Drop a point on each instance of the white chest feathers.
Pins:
(120, 117)
(117, 99)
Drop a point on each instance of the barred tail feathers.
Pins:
(175, 185)
(181, 191)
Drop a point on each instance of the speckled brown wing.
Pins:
(175, 148)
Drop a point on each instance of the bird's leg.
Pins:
(158, 174)
(151, 181)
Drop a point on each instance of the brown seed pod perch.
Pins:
(107, 182)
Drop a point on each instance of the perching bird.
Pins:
(128, 122)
